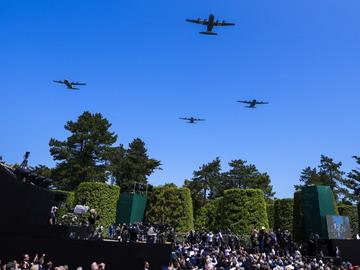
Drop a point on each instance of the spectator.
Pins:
(146, 265)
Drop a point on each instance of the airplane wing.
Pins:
(183, 118)
(261, 102)
(58, 81)
(223, 23)
(198, 21)
(78, 83)
(244, 101)
(198, 119)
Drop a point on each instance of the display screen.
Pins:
(338, 227)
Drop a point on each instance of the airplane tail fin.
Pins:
(209, 33)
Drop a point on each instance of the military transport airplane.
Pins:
(210, 22)
(191, 120)
(252, 103)
(70, 84)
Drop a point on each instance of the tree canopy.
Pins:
(243, 175)
(83, 156)
(210, 182)
(132, 165)
(205, 183)
(352, 183)
(328, 173)
(89, 155)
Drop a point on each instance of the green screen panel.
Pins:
(318, 202)
(131, 208)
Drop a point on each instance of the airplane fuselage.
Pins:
(68, 84)
(191, 121)
(210, 23)
(253, 103)
(210, 26)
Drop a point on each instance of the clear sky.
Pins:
(145, 67)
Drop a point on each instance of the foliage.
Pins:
(68, 204)
(247, 176)
(101, 197)
(83, 156)
(352, 183)
(208, 217)
(329, 173)
(270, 214)
(298, 217)
(205, 183)
(132, 165)
(242, 210)
(352, 212)
(283, 214)
(209, 182)
(43, 171)
(171, 205)
(196, 193)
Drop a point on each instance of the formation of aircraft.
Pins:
(70, 84)
(191, 120)
(210, 23)
(252, 103)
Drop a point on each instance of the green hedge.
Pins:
(270, 214)
(352, 212)
(242, 210)
(171, 205)
(68, 204)
(101, 197)
(283, 214)
(298, 218)
(208, 218)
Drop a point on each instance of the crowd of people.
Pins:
(42, 263)
(268, 251)
(125, 233)
(205, 250)
(141, 232)
(212, 251)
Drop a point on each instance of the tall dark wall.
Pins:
(74, 253)
(23, 203)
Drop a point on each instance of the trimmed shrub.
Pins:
(101, 197)
(298, 218)
(208, 218)
(171, 205)
(352, 212)
(242, 210)
(68, 204)
(283, 214)
(270, 214)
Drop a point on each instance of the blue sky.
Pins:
(145, 67)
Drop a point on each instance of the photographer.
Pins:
(52, 218)
(92, 220)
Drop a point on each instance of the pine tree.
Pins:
(132, 165)
(84, 155)
(242, 175)
(352, 183)
(205, 184)
(329, 173)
